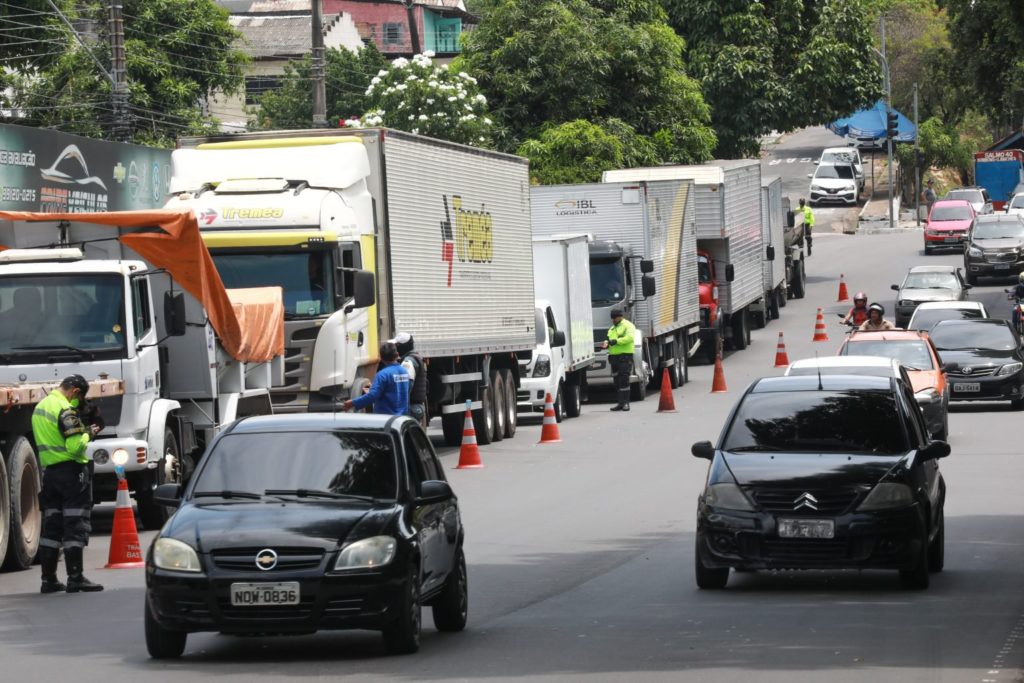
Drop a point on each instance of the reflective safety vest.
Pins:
(808, 216)
(620, 338)
(58, 430)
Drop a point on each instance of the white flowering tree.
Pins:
(419, 97)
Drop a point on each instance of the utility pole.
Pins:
(120, 131)
(917, 164)
(414, 32)
(888, 111)
(319, 88)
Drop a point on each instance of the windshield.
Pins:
(912, 354)
(838, 157)
(869, 371)
(973, 196)
(818, 421)
(47, 314)
(928, 318)
(984, 336)
(844, 172)
(355, 463)
(952, 213)
(305, 277)
(1009, 226)
(930, 281)
(607, 281)
(1017, 202)
(703, 269)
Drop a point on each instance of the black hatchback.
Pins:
(831, 472)
(297, 523)
(984, 360)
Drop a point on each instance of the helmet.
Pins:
(76, 382)
(1020, 278)
(860, 296)
(877, 307)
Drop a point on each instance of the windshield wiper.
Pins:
(54, 347)
(312, 493)
(227, 493)
(752, 449)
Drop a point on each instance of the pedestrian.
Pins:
(929, 195)
(620, 355)
(413, 363)
(389, 393)
(805, 209)
(66, 495)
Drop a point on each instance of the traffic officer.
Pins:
(66, 496)
(413, 363)
(620, 355)
(805, 209)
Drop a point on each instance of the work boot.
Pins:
(618, 406)
(77, 583)
(625, 408)
(48, 562)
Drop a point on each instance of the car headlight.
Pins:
(542, 367)
(973, 251)
(887, 495)
(817, 188)
(906, 302)
(368, 553)
(727, 497)
(926, 396)
(1009, 369)
(174, 555)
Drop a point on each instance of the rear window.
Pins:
(980, 336)
(867, 371)
(973, 196)
(927, 319)
(912, 354)
(818, 422)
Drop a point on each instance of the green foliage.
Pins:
(948, 145)
(579, 151)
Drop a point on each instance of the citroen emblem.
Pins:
(266, 560)
(806, 500)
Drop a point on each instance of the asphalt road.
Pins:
(581, 559)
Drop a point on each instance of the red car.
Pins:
(948, 224)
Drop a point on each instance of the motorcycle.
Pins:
(1018, 319)
(850, 326)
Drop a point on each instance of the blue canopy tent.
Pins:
(871, 123)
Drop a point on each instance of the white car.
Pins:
(875, 366)
(929, 313)
(844, 155)
(834, 183)
(1016, 205)
(977, 196)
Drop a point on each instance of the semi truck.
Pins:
(565, 326)
(643, 259)
(169, 354)
(435, 234)
(784, 275)
(729, 242)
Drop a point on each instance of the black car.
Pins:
(995, 247)
(297, 523)
(830, 472)
(984, 360)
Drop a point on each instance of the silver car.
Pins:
(928, 283)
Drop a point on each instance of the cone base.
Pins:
(469, 467)
(719, 391)
(125, 565)
(782, 365)
(544, 441)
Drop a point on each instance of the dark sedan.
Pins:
(831, 472)
(984, 360)
(297, 523)
(995, 247)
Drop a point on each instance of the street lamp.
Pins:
(888, 114)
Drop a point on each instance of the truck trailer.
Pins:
(999, 172)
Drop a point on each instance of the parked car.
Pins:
(302, 522)
(915, 353)
(834, 183)
(985, 360)
(844, 155)
(995, 247)
(977, 196)
(928, 314)
(872, 366)
(1016, 204)
(948, 223)
(927, 283)
(799, 481)
(867, 143)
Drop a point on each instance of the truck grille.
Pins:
(288, 559)
(783, 501)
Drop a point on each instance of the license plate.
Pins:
(1002, 266)
(807, 528)
(966, 386)
(951, 239)
(260, 594)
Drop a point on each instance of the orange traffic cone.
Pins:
(843, 294)
(549, 430)
(781, 357)
(469, 453)
(718, 383)
(819, 328)
(667, 403)
(125, 552)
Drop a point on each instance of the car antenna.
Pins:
(817, 365)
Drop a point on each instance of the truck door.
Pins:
(144, 334)
(557, 352)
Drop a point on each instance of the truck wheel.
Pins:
(5, 510)
(560, 402)
(26, 519)
(774, 305)
(483, 419)
(783, 298)
(799, 285)
(740, 330)
(637, 392)
(498, 396)
(573, 398)
(452, 425)
(511, 409)
(170, 471)
(711, 349)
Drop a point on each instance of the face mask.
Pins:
(75, 402)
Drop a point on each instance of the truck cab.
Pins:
(544, 372)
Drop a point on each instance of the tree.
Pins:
(579, 151)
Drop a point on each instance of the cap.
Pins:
(930, 181)
(616, 313)
(401, 338)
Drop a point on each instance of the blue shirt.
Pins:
(389, 393)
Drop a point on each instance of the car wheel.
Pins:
(1017, 403)
(451, 608)
(708, 579)
(402, 636)
(918, 577)
(927, 250)
(937, 548)
(162, 643)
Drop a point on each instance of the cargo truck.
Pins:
(643, 260)
(169, 354)
(729, 243)
(439, 234)
(783, 264)
(565, 326)
(999, 172)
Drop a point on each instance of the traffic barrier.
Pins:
(125, 551)
(718, 382)
(843, 294)
(549, 430)
(781, 357)
(667, 403)
(469, 452)
(819, 328)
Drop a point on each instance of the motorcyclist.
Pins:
(1017, 293)
(876, 320)
(858, 315)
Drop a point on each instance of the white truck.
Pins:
(439, 231)
(643, 259)
(779, 261)
(158, 372)
(565, 326)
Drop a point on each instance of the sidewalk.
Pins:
(874, 216)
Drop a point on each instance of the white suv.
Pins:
(844, 155)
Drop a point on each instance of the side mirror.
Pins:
(558, 339)
(966, 286)
(817, 161)
(646, 266)
(648, 286)
(770, 252)
(790, 219)
(703, 450)
(894, 288)
(363, 290)
(730, 272)
(810, 175)
(434, 491)
(168, 495)
(174, 314)
(933, 451)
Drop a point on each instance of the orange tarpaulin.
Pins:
(179, 250)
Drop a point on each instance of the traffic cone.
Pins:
(667, 403)
(781, 357)
(125, 552)
(549, 430)
(843, 294)
(819, 328)
(469, 452)
(718, 383)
